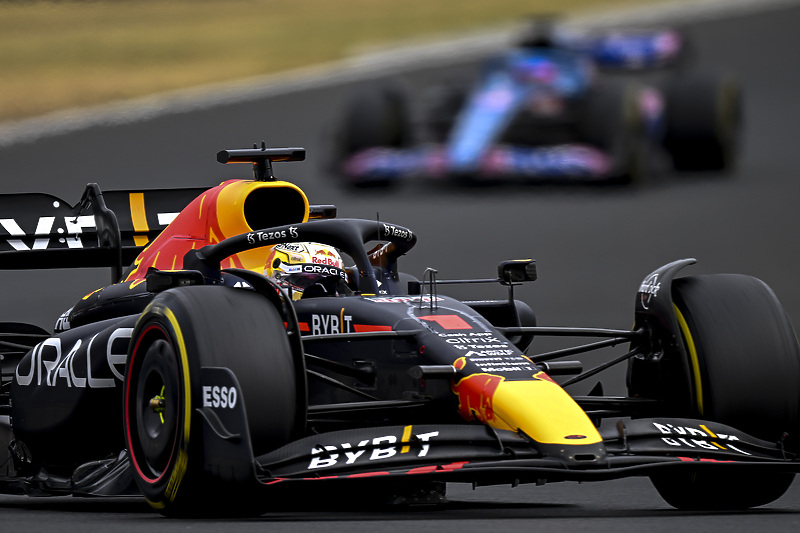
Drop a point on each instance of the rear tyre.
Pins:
(743, 370)
(180, 332)
(703, 116)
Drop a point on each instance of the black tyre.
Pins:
(611, 119)
(374, 117)
(182, 330)
(702, 122)
(743, 371)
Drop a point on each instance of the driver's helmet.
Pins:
(307, 268)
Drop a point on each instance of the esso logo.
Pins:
(219, 397)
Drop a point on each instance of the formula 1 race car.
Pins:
(542, 112)
(212, 389)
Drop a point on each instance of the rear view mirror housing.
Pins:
(516, 271)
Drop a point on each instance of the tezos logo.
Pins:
(394, 231)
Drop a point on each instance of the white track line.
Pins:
(366, 66)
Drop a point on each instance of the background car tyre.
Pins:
(744, 367)
(374, 116)
(183, 330)
(611, 119)
(702, 121)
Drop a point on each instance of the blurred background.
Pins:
(75, 53)
(142, 94)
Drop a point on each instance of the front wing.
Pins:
(565, 162)
(484, 456)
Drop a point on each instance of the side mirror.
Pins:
(516, 271)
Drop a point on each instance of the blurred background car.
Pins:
(563, 104)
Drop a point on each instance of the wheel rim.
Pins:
(153, 404)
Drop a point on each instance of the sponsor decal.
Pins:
(219, 397)
(698, 438)
(69, 234)
(488, 353)
(291, 269)
(649, 290)
(404, 299)
(265, 236)
(331, 324)
(394, 231)
(324, 270)
(53, 364)
(291, 247)
(370, 450)
(482, 340)
(47, 227)
(330, 261)
(62, 324)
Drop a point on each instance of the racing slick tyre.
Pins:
(374, 117)
(702, 121)
(744, 367)
(183, 330)
(611, 119)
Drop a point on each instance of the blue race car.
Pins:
(557, 107)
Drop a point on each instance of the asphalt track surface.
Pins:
(593, 247)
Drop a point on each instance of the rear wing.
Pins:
(104, 229)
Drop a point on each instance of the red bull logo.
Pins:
(325, 261)
(323, 256)
(475, 393)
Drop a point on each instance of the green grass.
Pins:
(56, 55)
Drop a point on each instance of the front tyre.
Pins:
(744, 367)
(182, 331)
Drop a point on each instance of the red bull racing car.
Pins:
(211, 388)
